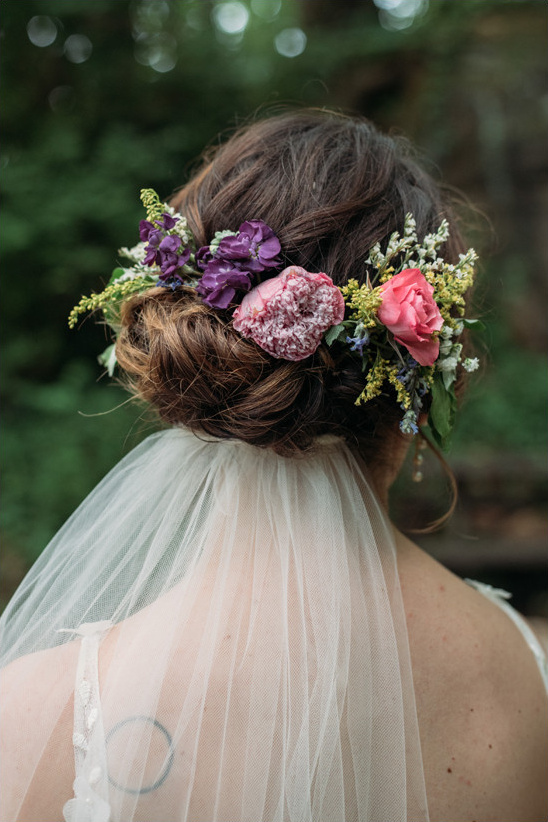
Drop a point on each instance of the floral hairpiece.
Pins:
(403, 323)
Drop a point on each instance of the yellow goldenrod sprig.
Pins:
(374, 380)
(155, 208)
(402, 393)
(363, 301)
(113, 293)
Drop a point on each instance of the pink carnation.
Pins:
(410, 312)
(288, 315)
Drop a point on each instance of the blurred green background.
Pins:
(104, 97)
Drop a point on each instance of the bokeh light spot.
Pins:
(158, 51)
(41, 31)
(267, 9)
(231, 17)
(290, 42)
(149, 16)
(61, 98)
(396, 15)
(78, 48)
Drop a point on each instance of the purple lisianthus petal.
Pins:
(263, 245)
(220, 297)
(254, 265)
(154, 236)
(145, 229)
(170, 244)
(203, 257)
(268, 251)
(255, 243)
(151, 255)
(169, 264)
(221, 271)
(169, 261)
(236, 247)
(256, 230)
(220, 281)
(167, 222)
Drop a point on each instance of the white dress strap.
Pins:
(90, 802)
(500, 597)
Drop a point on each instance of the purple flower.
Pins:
(255, 243)
(167, 222)
(168, 257)
(155, 234)
(408, 423)
(164, 250)
(146, 229)
(407, 371)
(203, 257)
(358, 343)
(220, 281)
(149, 233)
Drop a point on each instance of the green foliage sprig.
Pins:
(112, 295)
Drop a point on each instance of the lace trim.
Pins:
(90, 802)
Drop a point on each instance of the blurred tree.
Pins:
(103, 97)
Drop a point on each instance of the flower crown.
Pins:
(400, 324)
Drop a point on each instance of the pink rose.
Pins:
(409, 311)
(288, 315)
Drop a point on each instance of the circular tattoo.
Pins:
(168, 759)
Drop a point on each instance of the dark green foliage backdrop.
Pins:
(103, 97)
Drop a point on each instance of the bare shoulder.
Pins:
(482, 705)
(36, 733)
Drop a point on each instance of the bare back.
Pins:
(481, 702)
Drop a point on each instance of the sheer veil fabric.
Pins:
(234, 641)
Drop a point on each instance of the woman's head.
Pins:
(330, 187)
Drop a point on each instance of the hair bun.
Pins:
(188, 362)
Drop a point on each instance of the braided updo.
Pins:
(330, 187)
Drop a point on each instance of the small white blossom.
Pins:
(180, 229)
(136, 254)
(471, 364)
(432, 242)
(396, 244)
(448, 364)
(451, 359)
(132, 274)
(446, 332)
(471, 256)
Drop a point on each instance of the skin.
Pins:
(481, 703)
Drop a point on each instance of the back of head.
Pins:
(330, 187)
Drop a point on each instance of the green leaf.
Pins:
(118, 272)
(334, 333)
(448, 378)
(442, 412)
(477, 325)
(108, 359)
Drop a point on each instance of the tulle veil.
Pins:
(234, 642)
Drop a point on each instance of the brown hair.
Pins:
(330, 187)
